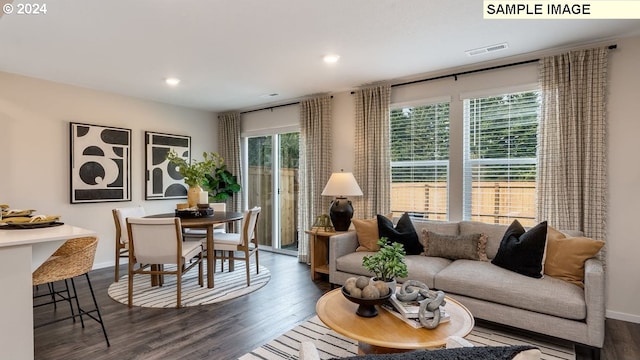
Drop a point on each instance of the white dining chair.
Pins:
(120, 216)
(245, 242)
(158, 241)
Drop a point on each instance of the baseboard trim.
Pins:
(623, 316)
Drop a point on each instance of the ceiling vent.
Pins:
(487, 49)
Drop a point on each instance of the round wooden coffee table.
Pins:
(385, 333)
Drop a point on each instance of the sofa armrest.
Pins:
(594, 296)
(340, 245)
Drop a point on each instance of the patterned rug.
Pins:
(228, 285)
(330, 344)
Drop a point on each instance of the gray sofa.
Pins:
(548, 306)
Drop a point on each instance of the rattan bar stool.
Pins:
(74, 258)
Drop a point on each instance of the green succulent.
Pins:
(388, 263)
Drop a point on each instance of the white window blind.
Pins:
(420, 160)
(500, 142)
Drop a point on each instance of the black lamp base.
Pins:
(341, 213)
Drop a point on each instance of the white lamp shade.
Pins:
(342, 184)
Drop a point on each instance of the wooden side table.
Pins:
(319, 251)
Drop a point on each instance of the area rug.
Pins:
(331, 344)
(227, 285)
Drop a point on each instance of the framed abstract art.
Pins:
(100, 163)
(163, 181)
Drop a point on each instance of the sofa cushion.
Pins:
(566, 257)
(494, 232)
(404, 233)
(485, 281)
(454, 247)
(367, 233)
(425, 268)
(523, 251)
(352, 263)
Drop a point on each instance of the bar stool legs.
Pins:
(79, 312)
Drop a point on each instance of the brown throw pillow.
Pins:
(367, 233)
(454, 247)
(566, 257)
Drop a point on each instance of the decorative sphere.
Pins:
(370, 292)
(382, 287)
(356, 292)
(350, 286)
(362, 282)
(351, 280)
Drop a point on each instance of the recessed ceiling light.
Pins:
(331, 58)
(172, 81)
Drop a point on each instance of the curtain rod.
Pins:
(455, 75)
(273, 107)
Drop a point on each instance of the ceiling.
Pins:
(231, 54)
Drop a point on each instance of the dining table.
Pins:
(208, 223)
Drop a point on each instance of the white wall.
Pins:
(34, 138)
(623, 246)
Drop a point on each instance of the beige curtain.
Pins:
(372, 166)
(572, 152)
(315, 166)
(229, 149)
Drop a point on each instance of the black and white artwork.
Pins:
(163, 181)
(100, 163)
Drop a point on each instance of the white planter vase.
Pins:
(392, 284)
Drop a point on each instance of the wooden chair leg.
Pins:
(179, 289)
(232, 260)
(117, 275)
(130, 287)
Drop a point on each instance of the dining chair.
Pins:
(73, 259)
(245, 242)
(193, 234)
(122, 237)
(158, 241)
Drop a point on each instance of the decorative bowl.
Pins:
(367, 307)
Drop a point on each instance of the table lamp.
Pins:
(341, 185)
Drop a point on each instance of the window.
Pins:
(420, 160)
(500, 141)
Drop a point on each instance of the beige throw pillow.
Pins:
(470, 246)
(367, 233)
(566, 257)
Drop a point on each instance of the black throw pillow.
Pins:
(523, 251)
(404, 233)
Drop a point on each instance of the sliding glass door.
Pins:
(272, 183)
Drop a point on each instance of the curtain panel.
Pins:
(315, 166)
(572, 148)
(372, 152)
(229, 149)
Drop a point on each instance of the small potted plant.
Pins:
(210, 173)
(388, 263)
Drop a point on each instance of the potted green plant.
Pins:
(388, 263)
(210, 173)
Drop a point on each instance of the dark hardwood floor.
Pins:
(221, 331)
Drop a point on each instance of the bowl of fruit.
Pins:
(366, 293)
